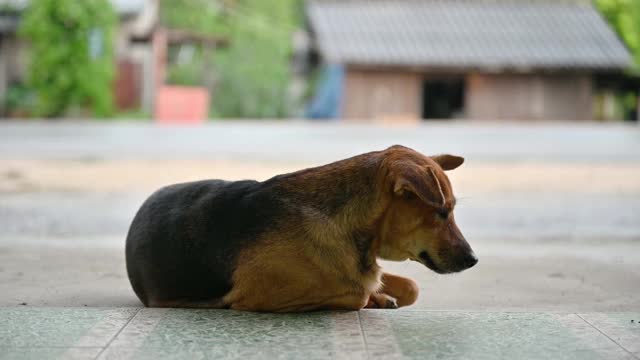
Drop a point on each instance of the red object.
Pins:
(127, 85)
(182, 105)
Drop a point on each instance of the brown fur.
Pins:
(388, 204)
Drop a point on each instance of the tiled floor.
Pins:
(132, 333)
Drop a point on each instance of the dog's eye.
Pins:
(408, 195)
(443, 214)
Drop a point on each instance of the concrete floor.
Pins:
(551, 210)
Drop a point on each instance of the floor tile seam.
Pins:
(363, 336)
(117, 333)
(608, 337)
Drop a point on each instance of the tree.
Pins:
(71, 55)
(624, 17)
(253, 73)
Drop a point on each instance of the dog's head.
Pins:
(419, 223)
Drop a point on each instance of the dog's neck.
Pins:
(347, 197)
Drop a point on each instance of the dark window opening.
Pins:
(443, 98)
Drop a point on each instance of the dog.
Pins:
(307, 240)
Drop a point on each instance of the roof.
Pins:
(466, 34)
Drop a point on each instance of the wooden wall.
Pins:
(396, 95)
(529, 97)
(382, 95)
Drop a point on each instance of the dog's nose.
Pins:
(470, 260)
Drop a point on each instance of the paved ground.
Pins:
(551, 210)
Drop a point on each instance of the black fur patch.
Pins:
(363, 242)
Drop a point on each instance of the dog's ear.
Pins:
(448, 162)
(421, 182)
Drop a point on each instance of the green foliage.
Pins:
(253, 73)
(624, 17)
(187, 73)
(131, 115)
(202, 16)
(18, 100)
(71, 55)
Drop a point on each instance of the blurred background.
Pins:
(104, 101)
(394, 61)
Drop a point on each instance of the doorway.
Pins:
(443, 98)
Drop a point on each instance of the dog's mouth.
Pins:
(425, 259)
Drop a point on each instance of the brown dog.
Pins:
(301, 241)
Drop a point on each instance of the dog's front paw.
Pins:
(381, 301)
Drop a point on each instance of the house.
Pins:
(433, 59)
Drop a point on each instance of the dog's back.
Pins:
(183, 243)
